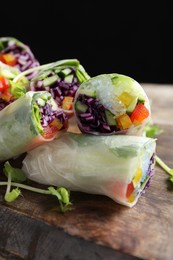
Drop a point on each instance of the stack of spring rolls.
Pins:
(110, 156)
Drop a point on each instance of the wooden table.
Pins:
(32, 227)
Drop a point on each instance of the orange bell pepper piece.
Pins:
(139, 113)
(8, 59)
(67, 103)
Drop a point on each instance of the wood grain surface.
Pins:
(97, 227)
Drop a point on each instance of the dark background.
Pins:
(135, 40)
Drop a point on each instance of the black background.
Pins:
(131, 39)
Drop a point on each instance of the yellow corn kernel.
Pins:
(125, 98)
(124, 121)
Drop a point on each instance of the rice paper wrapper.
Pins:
(62, 79)
(105, 165)
(18, 132)
(104, 105)
(25, 58)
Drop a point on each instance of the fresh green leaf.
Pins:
(171, 179)
(63, 196)
(12, 195)
(17, 90)
(165, 167)
(16, 174)
(153, 130)
(37, 117)
(54, 192)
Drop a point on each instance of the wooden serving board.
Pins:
(97, 228)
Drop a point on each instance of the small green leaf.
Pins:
(17, 175)
(12, 195)
(17, 90)
(54, 192)
(171, 179)
(64, 195)
(153, 130)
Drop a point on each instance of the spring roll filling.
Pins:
(14, 53)
(62, 83)
(9, 91)
(94, 116)
(140, 181)
(47, 119)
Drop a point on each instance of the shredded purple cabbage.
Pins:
(94, 118)
(4, 103)
(151, 171)
(58, 89)
(48, 115)
(24, 56)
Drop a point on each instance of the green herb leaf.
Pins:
(165, 167)
(152, 130)
(63, 196)
(17, 90)
(16, 174)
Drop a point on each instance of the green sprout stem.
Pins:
(8, 184)
(165, 167)
(23, 186)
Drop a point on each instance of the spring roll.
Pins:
(118, 166)
(16, 53)
(28, 122)
(111, 104)
(10, 91)
(61, 79)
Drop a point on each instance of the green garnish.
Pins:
(152, 130)
(12, 195)
(16, 176)
(165, 167)
(37, 117)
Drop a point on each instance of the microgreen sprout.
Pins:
(16, 177)
(165, 167)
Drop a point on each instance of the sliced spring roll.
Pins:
(28, 122)
(15, 53)
(10, 91)
(118, 166)
(61, 79)
(111, 104)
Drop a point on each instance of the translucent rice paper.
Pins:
(18, 132)
(102, 165)
(108, 88)
(25, 59)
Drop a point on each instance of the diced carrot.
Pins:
(140, 113)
